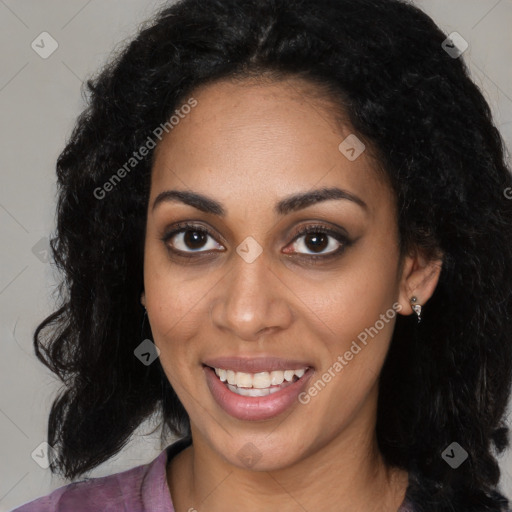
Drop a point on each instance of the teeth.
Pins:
(231, 377)
(257, 381)
(288, 375)
(277, 377)
(252, 391)
(222, 374)
(243, 380)
(300, 372)
(261, 380)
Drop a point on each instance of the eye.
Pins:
(313, 242)
(318, 242)
(191, 238)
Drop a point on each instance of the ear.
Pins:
(419, 278)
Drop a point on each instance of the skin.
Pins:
(248, 145)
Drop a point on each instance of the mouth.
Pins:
(256, 395)
(258, 384)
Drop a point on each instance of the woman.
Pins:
(282, 223)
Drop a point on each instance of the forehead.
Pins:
(251, 139)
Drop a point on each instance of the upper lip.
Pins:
(255, 364)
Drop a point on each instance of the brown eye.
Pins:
(194, 239)
(190, 239)
(318, 242)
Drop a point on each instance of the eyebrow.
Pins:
(287, 205)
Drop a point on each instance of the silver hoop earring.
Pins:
(416, 307)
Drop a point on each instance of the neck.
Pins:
(346, 474)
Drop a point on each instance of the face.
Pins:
(269, 255)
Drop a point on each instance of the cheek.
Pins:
(179, 316)
(358, 293)
(355, 306)
(174, 302)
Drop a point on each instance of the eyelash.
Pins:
(183, 227)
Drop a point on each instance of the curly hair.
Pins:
(447, 379)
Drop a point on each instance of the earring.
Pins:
(416, 307)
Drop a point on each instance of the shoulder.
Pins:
(127, 490)
(104, 493)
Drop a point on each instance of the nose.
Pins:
(252, 301)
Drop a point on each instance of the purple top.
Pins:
(140, 489)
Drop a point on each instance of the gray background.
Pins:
(39, 101)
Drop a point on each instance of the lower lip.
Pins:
(257, 407)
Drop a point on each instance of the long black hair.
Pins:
(445, 380)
